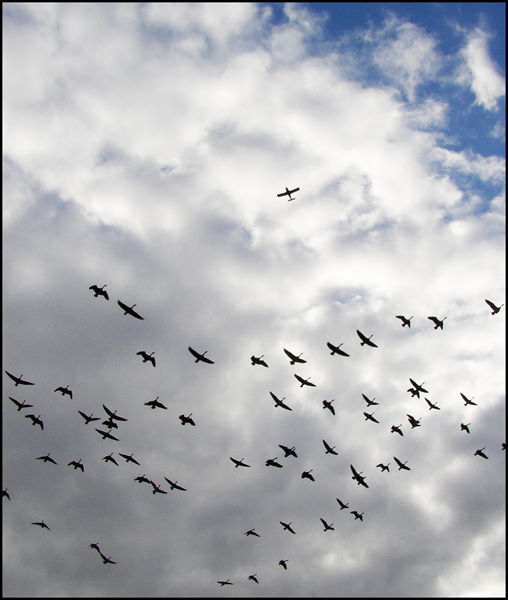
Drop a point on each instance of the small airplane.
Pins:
(283, 563)
(288, 192)
(107, 559)
(342, 505)
(110, 458)
(437, 322)
(402, 465)
(227, 582)
(465, 427)
(253, 577)
(188, 419)
(370, 416)
(129, 458)
(369, 401)
(431, 406)
(480, 453)
(42, 525)
(129, 310)
(272, 462)
(110, 424)
(142, 479)
(112, 414)
(336, 349)
(495, 309)
(18, 380)
(200, 357)
(414, 422)
(279, 402)
(96, 547)
(97, 291)
(304, 381)
(146, 357)
(418, 387)
(294, 359)
(384, 467)
(468, 401)
(21, 405)
(258, 360)
(238, 463)
(88, 418)
(360, 479)
(404, 320)
(307, 475)
(47, 458)
(365, 339)
(6, 494)
(64, 390)
(328, 404)
(106, 434)
(326, 526)
(155, 404)
(251, 532)
(397, 428)
(35, 420)
(288, 451)
(357, 515)
(77, 465)
(329, 449)
(287, 526)
(174, 485)
(157, 489)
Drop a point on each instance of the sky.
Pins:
(144, 147)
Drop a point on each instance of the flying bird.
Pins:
(307, 475)
(288, 451)
(21, 405)
(77, 465)
(200, 357)
(110, 424)
(42, 525)
(342, 505)
(95, 546)
(174, 485)
(6, 494)
(365, 339)
(304, 381)
(88, 418)
(153, 404)
(369, 401)
(468, 401)
(384, 467)
(35, 420)
(157, 489)
(99, 291)
(146, 357)
(142, 479)
(129, 458)
(283, 563)
(437, 322)
(370, 417)
(465, 427)
(294, 359)
(18, 380)
(360, 479)
(110, 458)
(414, 392)
(397, 428)
(258, 360)
(402, 465)
(326, 526)
(113, 414)
(64, 390)
(107, 559)
(329, 450)
(418, 387)
(47, 458)
(279, 402)
(431, 406)
(328, 404)
(129, 310)
(414, 422)
(357, 515)
(404, 320)
(253, 577)
(480, 453)
(272, 462)
(106, 434)
(288, 193)
(238, 463)
(188, 419)
(495, 309)
(336, 349)
(287, 526)
(251, 532)
(227, 582)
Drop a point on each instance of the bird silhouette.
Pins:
(326, 526)
(402, 465)
(357, 515)
(142, 479)
(437, 322)
(153, 404)
(47, 458)
(342, 504)
(251, 532)
(129, 458)
(106, 434)
(397, 428)
(35, 420)
(20, 405)
(258, 360)
(42, 525)
(369, 401)
(64, 390)
(329, 449)
(328, 404)
(129, 310)
(307, 475)
(404, 320)
(238, 463)
(6, 494)
(431, 406)
(18, 380)
(110, 458)
(227, 582)
(272, 462)
(188, 419)
(384, 467)
(88, 418)
(253, 577)
(465, 427)
(283, 563)
(481, 453)
(99, 291)
(77, 465)
(495, 309)
(174, 485)
(370, 417)
(146, 357)
(304, 381)
(157, 489)
(288, 451)
(287, 526)
(414, 422)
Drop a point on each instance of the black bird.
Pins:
(464, 427)
(342, 505)
(110, 458)
(293, 358)
(6, 494)
(18, 380)
(253, 577)
(185, 419)
(21, 405)
(47, 458)
(227, 582)
(279, 402)
(304, 381)
(414, 392)
(369, 401)
(495, 309)
(129, 310)
(288, 193)
(360, 479)
(336, 349)
(95, 547)
(99, 291)
(258, 360)
(142, 479)
(113, 414)
(370, 416)
(307, 475)
(129, 458)
(107, 559)
(155, 404)
(365, 339)
(238, 463)
(418, 387)
(431, 406)
(251, 532)
(402, 465)
(200, 357)
(357, 515)
(437, 322)
(404, 320)
(64, 390)
(397, 428)
(174, 485)
(283, 563)
(272, 462)
(328, 404)
(88, 418)
(77, 465)
(110, 424)
(414, 422)
(42, 525)
(329, 449)
(467, 400)
(35, 420)
(106, 434)
(384, 467)
(146, 357)
(157, 489)
(288, 451)
(326, 526)
(480, 453)
(287, 526)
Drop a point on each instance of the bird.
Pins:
(95, 546)
(272, 462)
(397, 428)
(238, 463)
(155, 404)
(495, 309)
(293, 358)
(77, 465)
(370, 417)
(35, 420)
(467, 400)
(146, 357)
(129, 310)
(20, 405)
(174, 485)
(64, 390)
(384, 467)
(342, 504)
(365, 339)
(42, 525)
(287, 526)
(357, 515)
(279, 402)
(110, 424)
(106, 434)
(6, 494)
(404, 320)
(326, 526)
(414, 392)
(437, 322)
(258, 360)
(414, 422)
(328, 404)
(253, 577)
(465, 427)
(107, 559)
(307, 475)
(402, 465)
(431, 406)
(227, 582)
(99, 291)
(142, 479)
(88, 418)
(129, 458)
(283, 563)
(112, 414)
(157, 489)
(110, 458)
(480, 453)
(251, 532)
(336, 349)
(188, 419)
(418, 387)
(304, 381)
(369, 401)
(200, 357)
(19, 380)
(329, 449)
(288, 451)
(47, 458)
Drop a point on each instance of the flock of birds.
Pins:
(113, 419)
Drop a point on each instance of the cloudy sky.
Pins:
(144, 146)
